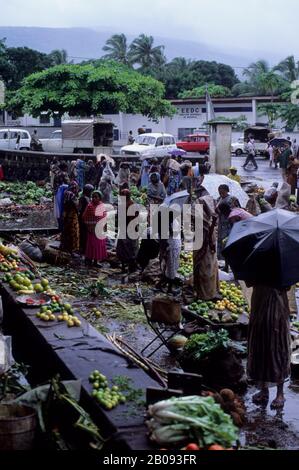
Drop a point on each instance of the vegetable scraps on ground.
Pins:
(190, 419)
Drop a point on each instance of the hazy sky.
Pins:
(266, 25)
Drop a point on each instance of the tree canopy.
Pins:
(200, 92)
(87, 90)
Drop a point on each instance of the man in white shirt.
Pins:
(250, 150)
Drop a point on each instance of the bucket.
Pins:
(17, 427)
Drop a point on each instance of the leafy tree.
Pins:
(22, 61)
(181, 74)
(199, 92)
(289, 113)
(271, 110)
(262, 80)
(85, 90)
(58, 57)
(144, 53)
(6, 68)
(288, 68)
(117, 49)
(213, 72)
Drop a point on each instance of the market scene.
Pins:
(149, 250)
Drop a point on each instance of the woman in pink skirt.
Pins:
(96, 244)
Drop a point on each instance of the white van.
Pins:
(153, 144)
(8, 139)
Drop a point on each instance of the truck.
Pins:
(261, 135)
(81, 136)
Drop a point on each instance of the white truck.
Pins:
(81, 136)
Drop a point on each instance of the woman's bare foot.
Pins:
(278, 403)
(261, 398)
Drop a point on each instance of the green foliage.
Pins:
(201, 345)
(16, 63)
(271, 110)
(117, 49)
(200, 92)
(191, 419)
(85, 90)
(289, 113)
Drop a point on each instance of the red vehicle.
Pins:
(195, 143)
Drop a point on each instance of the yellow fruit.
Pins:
(70, 323)
(38, 288)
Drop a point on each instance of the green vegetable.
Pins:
(190, 419)
(201, 345)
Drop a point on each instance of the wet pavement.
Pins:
(263, 176)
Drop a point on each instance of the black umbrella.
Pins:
(278, 142)
(265, 249)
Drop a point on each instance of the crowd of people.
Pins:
(82, 193)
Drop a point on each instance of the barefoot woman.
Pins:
(269, 343)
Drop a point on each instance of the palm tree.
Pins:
(59, 56)
(253, 71)
(288, 68)
(117, 49)
(143, 52)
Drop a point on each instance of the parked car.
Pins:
(8, 139)
(153, 144)
(53, 143)
(195, 143)
(238, 147)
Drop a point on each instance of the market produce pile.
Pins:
(139, 196)
(23, 281)
(186, 264)
(200, 346)
(24, 193)
(226, 310)
(196, 419)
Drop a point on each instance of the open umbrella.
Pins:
(212, 182)
(180, 198)
(177, 152)
(278, 142)
(107, 158)
(265, 249)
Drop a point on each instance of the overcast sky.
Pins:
(256, 25)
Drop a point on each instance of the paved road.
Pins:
(264, 175)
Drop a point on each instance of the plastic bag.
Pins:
(6, 359)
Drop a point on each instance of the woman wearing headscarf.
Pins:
(124, 173)
(105, 187)
(70, 238)
(84, 200)
(225, 204)
(144, 178)
(205, 264)
(96, 250)
(60, 184)
(170, 250)
(173, 183)
(127, 248)
(107, 171)
(156, 191)
(80, 170)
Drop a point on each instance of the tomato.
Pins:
(192, 446)
(216, 447)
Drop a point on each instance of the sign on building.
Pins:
(189, 111)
